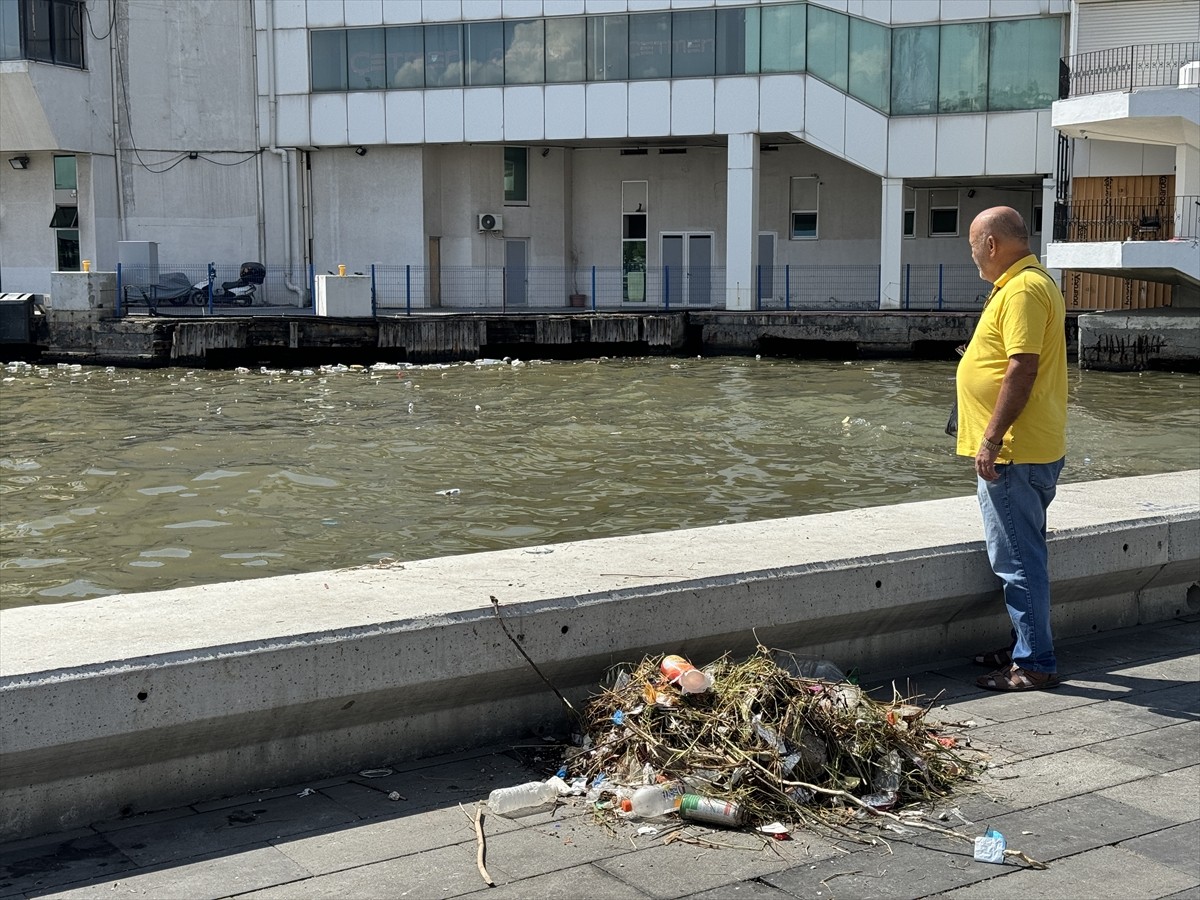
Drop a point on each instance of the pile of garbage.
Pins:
(773, 737)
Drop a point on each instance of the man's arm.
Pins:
(1014, 394)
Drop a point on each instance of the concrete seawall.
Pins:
(134, 702)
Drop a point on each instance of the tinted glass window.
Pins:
(365, 59)
(406, 57)
(914, 70)
(693, 43)
(328, 52)
(10, 30)
(870, 63)
(485, 53)
(608, 48)
(65, 173)
(828, 39)
(524, 54)
(1023, 64)
(962, 68)
(443, 56)
(564, 50)
(737, 41)
(783, 38)
(650, 46)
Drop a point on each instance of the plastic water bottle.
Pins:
(522, 796)
(653, 800)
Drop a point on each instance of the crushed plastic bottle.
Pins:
(653, 800)
(683, 674)
(807, 667)
(522, 796)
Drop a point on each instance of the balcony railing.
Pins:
(1126, 68)
(1128, 219)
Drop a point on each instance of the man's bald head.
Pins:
(998, 239)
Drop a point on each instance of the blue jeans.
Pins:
(1014, 524)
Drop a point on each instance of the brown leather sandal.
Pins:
(1014, 678)
(994, 659)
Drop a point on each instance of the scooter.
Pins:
(232, 293)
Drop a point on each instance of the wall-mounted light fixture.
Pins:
(19, 162)
(971, 192)
(545, 152)
(360, 151)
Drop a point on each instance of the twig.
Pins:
(481, 849)
(521, 650)
(846, 795)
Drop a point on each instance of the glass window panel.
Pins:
(66, 25)
(914, 70)
(693, 43)
(943, 222)
(564, 50)
(737, 41)
(783, 38)
(910, 223)
(68, 250)
(327, 53)
(516, 174)
(828, 50)
(406, 56)
(1023, 63)
(962, 68)
(37, 32)
(443, 56)
(365, 59)
(485, 53)
(805, 203)
(870, 63)
(650, 46)
(10, 30)
(65, 173)
(608, 48)
(524, 52)
(804, 225)
(65, 217)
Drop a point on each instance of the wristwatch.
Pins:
(989, 445)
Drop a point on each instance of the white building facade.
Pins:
(689, 151)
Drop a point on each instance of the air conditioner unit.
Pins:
(491, 222)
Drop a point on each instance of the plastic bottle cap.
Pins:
(626, 805)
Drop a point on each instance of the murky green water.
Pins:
(127, 480)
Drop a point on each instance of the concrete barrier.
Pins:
(134, 702)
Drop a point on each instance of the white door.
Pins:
(687, 260)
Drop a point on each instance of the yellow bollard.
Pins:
(341, 270)
(87, 265)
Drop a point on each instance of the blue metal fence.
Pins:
(408, 290)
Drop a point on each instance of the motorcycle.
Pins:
(174, 288)
(232, 293)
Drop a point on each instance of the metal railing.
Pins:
(1126, 68)
(196, 289)
(939, 286)
(1128, 219)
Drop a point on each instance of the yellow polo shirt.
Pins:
(1025, 314)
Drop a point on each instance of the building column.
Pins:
(1049, 196)
(891, 244)
(741, 221)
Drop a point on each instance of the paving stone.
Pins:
(341, 848)
(1107, 872)
(1183, 669)
(1177, 847)
(42, 863)
(251, 797)
(1075, 825)
(1182, 698)
(1190, 894)
(681, 868)
(1039, 735)
(580, 881)
(218, 876)
(1032, 782)
(916, 867)
(444, 872)
(227, 829)
(147, 818)
(1171, 795)
(1159, 750)
(743, 890)
(538, 849)
(466, 781)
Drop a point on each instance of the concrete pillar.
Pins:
(1049, 193)
(741, 221)
(891, 244)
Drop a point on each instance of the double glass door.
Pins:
(687, 259)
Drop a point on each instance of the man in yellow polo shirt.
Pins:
(1012, 416)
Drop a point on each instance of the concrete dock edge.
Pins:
(133, 702)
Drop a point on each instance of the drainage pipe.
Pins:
(284, 158)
